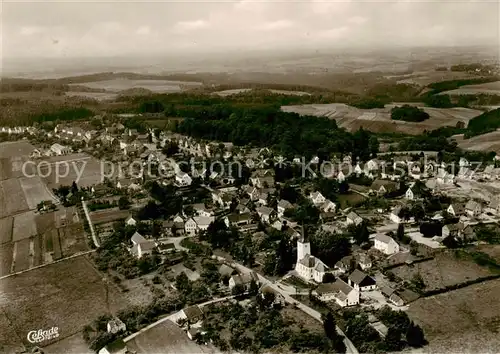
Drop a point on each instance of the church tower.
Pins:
(303, 245)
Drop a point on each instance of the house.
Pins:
(201, 210)
(317, 198)
(353, 219)
(364, 261)
(279, 299)
(124, 183)
(165, 248)
(328, 207)
(130, 221)
(283, 205)
(361, 282)
(443, 177)
(345, 265)
(141, 246)
(226, 271)
(494, 206)
(197, 223)
(340, 177)
(238, 220)
(385, 244)
(327, 217)
(241, 209)
(266, 214)
(343, 294)
(459, 231)
(308, 267)
(192, 314)
(456, 209)
(182, 179)
(244, 279)
(116, 325)
(59, 149)
(381, 187)
(463, 162)
(473, 208)
(372, 165)
(397, 214)
(412, 193)
(116, 347)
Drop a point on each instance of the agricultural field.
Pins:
(15, 148)
(33, 239)
(379, 119)
(121, 84)
(6, 225)
(105, 216)
(24, 226)
(466, 320)
(89, 167)
(484, 142)
(490, 88)
(68, 295)
(35, 191)
(12, 199)
(424, 78)
(99, 96)
(444, 270)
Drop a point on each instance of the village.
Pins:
(340, 235)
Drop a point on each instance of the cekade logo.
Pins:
(43, 335)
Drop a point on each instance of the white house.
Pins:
(395, 215)
(456, 209)
(473, 208)
(339, 291)
(116, 325)
(197, 223)
(309, 267)
(493, 207)
(243, 279)
(361, 282)
(130, 221)
(353, 219)
(266, 214)
(182, 179)
(371, 165)
(283, 205)
(386, 244)
(141, 246)
(317, 198)
(340, 177)
(59, 149)
(328, 206)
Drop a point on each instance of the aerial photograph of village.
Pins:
(249, 177)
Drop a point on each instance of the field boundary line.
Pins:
(91, 226)
(46, 264)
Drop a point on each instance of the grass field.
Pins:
(15, 148)
(68, 295)
(485, 142)
(6, 258)
(90, 166)
(444, 270)
(349, 200)
(22, 261)
(490, 88)
(379, 120)
(461, 321)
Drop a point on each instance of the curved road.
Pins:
(350, 348)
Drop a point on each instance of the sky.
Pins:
(71, 29)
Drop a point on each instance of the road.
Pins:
(350, 348)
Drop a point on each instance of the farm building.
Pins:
(385, 244)
(343, 294)
(59, 149)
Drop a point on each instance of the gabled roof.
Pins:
(389, 186)
(472, 204)
(458, 207)
(383, 238)
(263, 210)
(353, 216)
(285, 204)
(193, 312)
(234, 218)
(138, 238)
(361, 279)
(339, 286)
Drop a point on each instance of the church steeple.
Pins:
(303, 245)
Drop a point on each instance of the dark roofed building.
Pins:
(361, 282)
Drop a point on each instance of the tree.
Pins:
(123, 203)
(74, 188)
(253, 289)
(330, 326)
(238, 289)
(415, 336)
(400, 234)
(414, 248)
(182, 283)
(392, 339)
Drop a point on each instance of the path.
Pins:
(350, 348)
(91, 226)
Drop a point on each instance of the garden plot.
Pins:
(6, 225)
(35, 191)
(24, 226)
(12, 200)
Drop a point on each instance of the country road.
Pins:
(350, 348)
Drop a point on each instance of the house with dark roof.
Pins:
(353, 219)
(361, 282)
(381, 186)
(243, 279)
(456, 209)
(116, 347)
(339, 291)
(192, 314)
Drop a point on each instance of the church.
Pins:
(308, 267)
